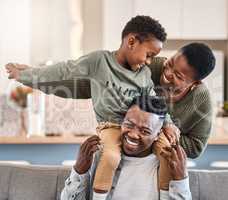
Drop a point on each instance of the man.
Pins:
(136, 177)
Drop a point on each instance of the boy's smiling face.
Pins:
(137, 53)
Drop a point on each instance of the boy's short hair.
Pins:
(144, 27)
(200, 57)
(152, 104)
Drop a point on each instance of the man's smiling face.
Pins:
(139, 130)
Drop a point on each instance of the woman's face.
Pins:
(177, 75)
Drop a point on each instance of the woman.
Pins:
(179, 79)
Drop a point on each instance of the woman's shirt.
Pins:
(192, 114)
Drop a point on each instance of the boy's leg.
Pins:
(164, 175)
(111, 154)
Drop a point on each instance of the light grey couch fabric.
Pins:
(209, 184)
(46, 182)
(31, 182)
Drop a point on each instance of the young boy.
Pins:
(116, 78)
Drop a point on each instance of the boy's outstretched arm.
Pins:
(66, 79)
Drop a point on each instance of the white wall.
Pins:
(14, 35)
(34, 31)
(92, 25)
(56, 30)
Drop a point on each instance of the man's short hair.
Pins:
(144, 27)
(152, 104)
(200, 57)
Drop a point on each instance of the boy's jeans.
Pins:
(110, 134)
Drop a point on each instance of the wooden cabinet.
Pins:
(204, 19)
(167, 12)
(184, 19)
(116, 13)
(14, 36)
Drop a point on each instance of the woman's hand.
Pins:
(177, 161)
(172, 133)
(85, 157)
(13, 69)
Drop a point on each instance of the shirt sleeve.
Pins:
(76, 186)
(64, 78)
(178, 190)
(58, 72)
(194, 139)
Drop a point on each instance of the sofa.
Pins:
(30, 182)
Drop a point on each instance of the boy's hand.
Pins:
(177, 161)
(172, 133)
(85, 157)
(13, 69)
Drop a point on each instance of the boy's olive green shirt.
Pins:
(113, 87)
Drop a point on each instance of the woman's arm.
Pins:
(195, 136)
(194, 122)
(194, 142)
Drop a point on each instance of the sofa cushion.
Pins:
(63, 174)
(47, 182)
(194, 184)
(213, 185)
(36, 184)
(5, 172)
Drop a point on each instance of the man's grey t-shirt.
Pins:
(113, 87)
